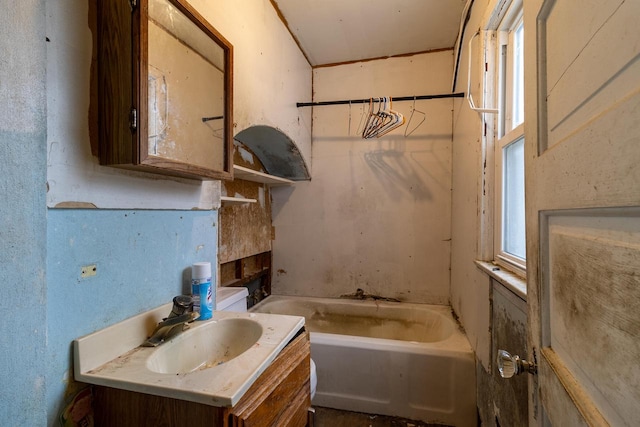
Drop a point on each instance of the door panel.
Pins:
(597, 165)
(592, 284)
(579, 39)
(583, 220)
(559, 397)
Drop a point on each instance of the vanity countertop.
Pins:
(113, 357)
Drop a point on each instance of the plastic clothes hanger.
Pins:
(380, 118)
(390, 119)
(360, 128)
(370, 119)
(397, 121)
(386, 118)
(375, 120)
(408, 132)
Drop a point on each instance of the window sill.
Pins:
(508, 279)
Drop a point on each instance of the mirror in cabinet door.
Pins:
(164, 90)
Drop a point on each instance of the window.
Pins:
(518, 74)
(509, 220)
(512, 232)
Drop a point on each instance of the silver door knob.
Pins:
(509, 365)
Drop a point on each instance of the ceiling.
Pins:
(336, 31)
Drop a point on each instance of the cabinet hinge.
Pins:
(133, 120)
(133, 4)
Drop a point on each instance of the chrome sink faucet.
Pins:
(181, 314)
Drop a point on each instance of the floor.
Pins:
(326, 417)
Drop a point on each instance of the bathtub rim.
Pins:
(456, 344)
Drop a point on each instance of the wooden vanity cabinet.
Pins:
(280, 397)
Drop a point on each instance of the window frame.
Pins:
(502, 257)
(503, 25)
(505, 83)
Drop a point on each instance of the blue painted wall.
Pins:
(22, 214)
(143, 260)
(23, 296)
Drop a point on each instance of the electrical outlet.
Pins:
(89, 271)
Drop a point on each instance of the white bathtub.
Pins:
(398, 359)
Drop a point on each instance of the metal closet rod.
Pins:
(364, 101)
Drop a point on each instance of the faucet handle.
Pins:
(181, 304)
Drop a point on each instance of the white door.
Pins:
(582, 82)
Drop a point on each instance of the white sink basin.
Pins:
(214, 362)
(207, 347)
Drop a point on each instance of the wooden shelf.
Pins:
(247, 174)
(225, 200)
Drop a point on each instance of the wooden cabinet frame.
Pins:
(123, 90)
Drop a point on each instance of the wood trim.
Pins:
(402, 55)
(295, 413)
(115, 85)
(284, 381)
(578, 396)
(141, 82)
(123, 408)
(286, 25)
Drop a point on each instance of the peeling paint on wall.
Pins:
(245, 229)
(504, 402)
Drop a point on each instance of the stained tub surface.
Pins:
(399, 359)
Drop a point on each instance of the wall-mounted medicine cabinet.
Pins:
(164, 90)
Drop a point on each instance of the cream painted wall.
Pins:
(270, 72)
(270, 76)
(469, 286)
(376, 214)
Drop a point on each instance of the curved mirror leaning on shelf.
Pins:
(181, 95)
